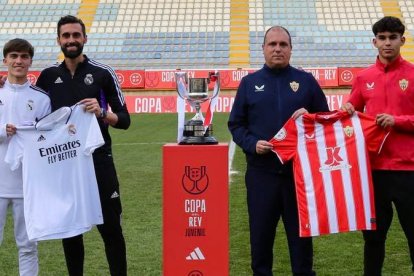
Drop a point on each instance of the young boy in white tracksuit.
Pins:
(20, 104)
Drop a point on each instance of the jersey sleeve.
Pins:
(355, 97)
(114, 97)
(238, 121)
(3, 133)
(285, 141)
(374, 135)
(94, 138)
(14, 154)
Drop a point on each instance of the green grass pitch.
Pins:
(138, 158)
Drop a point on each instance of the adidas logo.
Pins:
(58, 80)
(115, 195)
(195, 255)
(1, 103)
(41, 138)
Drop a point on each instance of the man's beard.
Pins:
(72, 54)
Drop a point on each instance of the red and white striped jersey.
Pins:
(330, 153)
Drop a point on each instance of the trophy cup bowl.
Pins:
(195, 92)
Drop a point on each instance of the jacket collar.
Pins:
(391, 66)
(80, 65)
(276, 71)
(17, 87)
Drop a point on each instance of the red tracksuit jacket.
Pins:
(389, 89)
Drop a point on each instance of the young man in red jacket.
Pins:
(386, 90)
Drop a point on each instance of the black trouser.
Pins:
(269, 197)
(111, 232)
(389, 187)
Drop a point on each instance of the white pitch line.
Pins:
(141, 143)
(232, 150)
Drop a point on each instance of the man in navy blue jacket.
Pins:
(265, 100)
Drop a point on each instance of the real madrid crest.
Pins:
(349, 131)
(71, 129)
(30, 105)
(88, 79)
(403, 84)
(294, 85)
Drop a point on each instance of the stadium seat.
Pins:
(318, 27)
(141, 34)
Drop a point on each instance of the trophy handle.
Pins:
(215, 76)
(181, 81)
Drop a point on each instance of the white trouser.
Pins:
(28, 261)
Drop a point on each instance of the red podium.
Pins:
(195, 210)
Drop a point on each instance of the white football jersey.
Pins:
(59, 184)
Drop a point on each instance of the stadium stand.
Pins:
(406, 9)
(160, 34)
(35, 20)
(151, 34)
(327, 33)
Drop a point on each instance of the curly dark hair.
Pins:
(389, 24)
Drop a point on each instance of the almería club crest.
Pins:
(403, 84)
(349, 131)
(294, 85)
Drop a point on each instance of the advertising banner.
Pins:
(195, 210)
(347, 75)
(326, 77)
(129, 79)
(230, 78)
(164, 79)
(168, 104)
(31, 75)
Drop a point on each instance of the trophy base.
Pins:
(195, 140)
(194, 134)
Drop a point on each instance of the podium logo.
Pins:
(195, 255)
(195, 180)
(195, 273)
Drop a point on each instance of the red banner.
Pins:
(31, 76)
(168, 104)
(347, 75)
(131, 78)
(326, 77)
(335, 101)
(165, 79)
(229, 78)
(195, 210)
(128, 79)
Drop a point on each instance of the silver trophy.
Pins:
(197, 130)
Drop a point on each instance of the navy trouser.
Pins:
(389, 187)
(270, 196)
